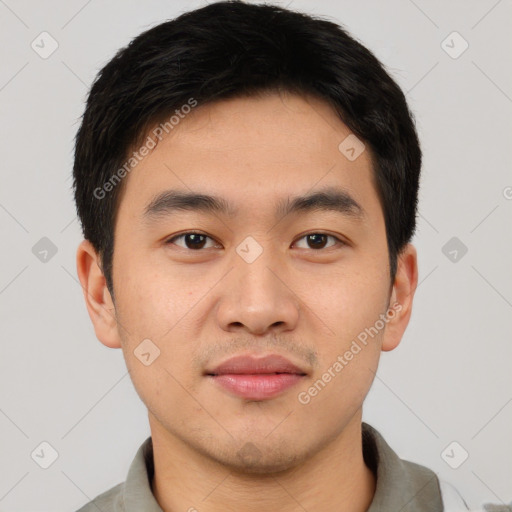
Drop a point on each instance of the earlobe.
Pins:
(97, 296)
(402, 295)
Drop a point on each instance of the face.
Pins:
(297, 291)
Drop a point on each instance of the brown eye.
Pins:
(318, 241)
(193, 241)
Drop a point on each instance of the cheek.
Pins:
(149, 301)
(337, 392)
(351, 306)
(344, 376)
(351, 303)
(156, 305)
(160, 365)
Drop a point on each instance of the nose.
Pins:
(257, 298)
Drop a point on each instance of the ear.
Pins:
(402, 294)
(97, 297)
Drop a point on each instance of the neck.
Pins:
(336, 477)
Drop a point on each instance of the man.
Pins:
(246, 178)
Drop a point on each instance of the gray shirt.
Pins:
(400, 485)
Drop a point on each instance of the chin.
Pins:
(250, 460)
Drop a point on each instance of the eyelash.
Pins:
(170, 241)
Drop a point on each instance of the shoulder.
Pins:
(108, 501)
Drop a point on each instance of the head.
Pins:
(287, 148)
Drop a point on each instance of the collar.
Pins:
(401, 485)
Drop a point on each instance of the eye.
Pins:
(318, 240)
(191, 239)
(196, 241)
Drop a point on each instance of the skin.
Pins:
(202, 306)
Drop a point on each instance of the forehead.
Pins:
(249, 151)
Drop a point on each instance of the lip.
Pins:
(256, 378)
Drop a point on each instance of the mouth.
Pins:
(254, 378)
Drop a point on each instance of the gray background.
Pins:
(449, 380)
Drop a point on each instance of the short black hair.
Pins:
(231, 49)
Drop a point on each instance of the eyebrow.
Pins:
(330, 199)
